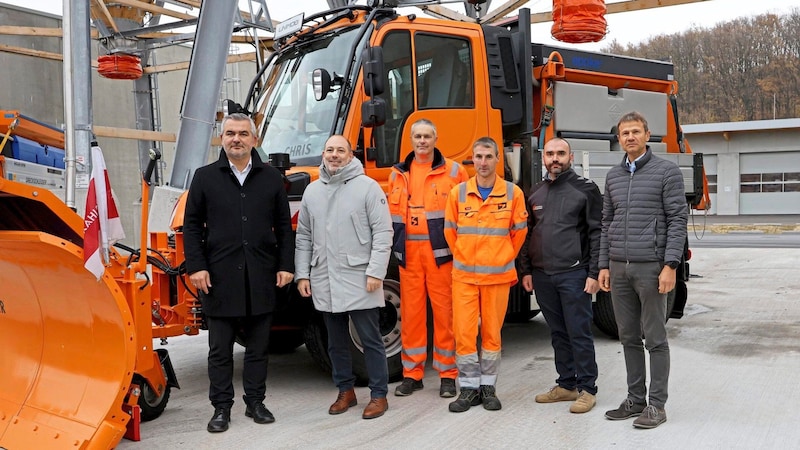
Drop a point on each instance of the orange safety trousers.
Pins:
(474, 307)
(419, 280)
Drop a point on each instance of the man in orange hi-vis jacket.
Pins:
(418, 189)
(486, 221)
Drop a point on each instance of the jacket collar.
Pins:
(498, 190)
(648, 155)
(569, 173)
(405, 166)
(344, 174)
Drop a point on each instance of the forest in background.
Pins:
(745, 69)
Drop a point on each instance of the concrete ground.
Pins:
(735, 356)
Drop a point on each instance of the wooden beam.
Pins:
(108, 15)
(34, 31)
(36, 53)
(129, 133)
(183, 65)
(141, 135)
(611, 8)
(503, 10)
(440, 11)
(155, 9)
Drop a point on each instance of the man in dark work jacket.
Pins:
(239, 246)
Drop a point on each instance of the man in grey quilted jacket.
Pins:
(641, 245)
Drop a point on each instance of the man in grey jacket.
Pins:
(641, 245)
(344, 239)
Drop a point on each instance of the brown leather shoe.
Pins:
(375, 408)
(343, 402)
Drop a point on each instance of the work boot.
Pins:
(219, 421)
(557, 394)
(468, 397)
(343, 402)
(651, 417)
(626, 410)
(259, 413)
(489, 398)
(407, 387)
(583, 404)
(447, 388)
(375, 408)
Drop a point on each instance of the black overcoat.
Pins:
(238, 233)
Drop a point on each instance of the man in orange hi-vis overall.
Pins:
(418, 189)
(486, 221)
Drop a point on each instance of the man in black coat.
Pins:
(239, 246)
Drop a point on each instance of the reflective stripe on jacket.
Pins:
(485, 236)
(444, 175)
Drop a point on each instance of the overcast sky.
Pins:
(628, 27)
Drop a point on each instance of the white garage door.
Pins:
(769, 183)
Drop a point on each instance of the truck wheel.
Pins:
(603, 312)
(316, 338)
(151, 404)
(389, 323)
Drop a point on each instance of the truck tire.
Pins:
(603, 312)
(316, 338)
(150, 403)
(390, 333)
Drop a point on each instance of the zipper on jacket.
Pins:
(627, 214)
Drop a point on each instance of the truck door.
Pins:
(429, 75)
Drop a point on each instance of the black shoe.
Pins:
(259, 413)
(468, 397)
(220, 421)
(407, 387)
(489, 398)
(447, 388)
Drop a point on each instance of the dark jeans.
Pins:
(221, 336)
(365, 322)
(568, 312)
(640, 309)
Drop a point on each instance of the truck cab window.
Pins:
(399, 96)
(444, 72)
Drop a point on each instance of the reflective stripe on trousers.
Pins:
(473, 304)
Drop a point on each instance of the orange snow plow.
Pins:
(69, 351)
(79, 368)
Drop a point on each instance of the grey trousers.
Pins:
(641, 310)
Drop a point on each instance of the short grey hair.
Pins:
(237, 117)
(424, 122)
(486, 141)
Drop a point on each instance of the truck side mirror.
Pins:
(374, 72)
(321, 82)
(373, 112)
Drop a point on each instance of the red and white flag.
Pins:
(101, 223)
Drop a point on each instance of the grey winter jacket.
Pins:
(644, 213)
(344, 234)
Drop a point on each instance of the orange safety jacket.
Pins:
(485, 236)
(444, 175)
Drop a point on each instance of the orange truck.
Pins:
(368, 73)
(82, 368)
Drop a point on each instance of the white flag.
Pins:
(101, 223)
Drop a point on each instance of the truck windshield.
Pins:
(294, 122)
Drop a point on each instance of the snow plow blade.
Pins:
(68, 340)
